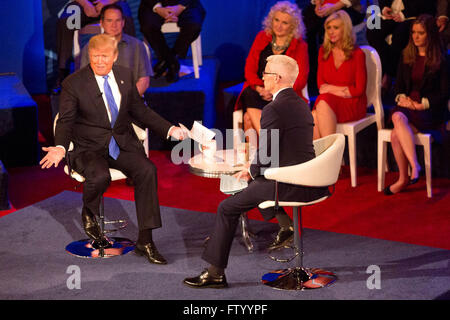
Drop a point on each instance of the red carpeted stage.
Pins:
(408, 217)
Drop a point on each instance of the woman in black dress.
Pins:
(422, 94)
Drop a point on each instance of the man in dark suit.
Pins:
(188, 14)
(98, 104)
(291, 118)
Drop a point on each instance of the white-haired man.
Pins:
(291, 117)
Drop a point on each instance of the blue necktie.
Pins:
(113, 147)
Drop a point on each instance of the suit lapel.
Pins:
(97, 97)
(123, 88)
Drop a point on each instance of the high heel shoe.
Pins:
(413, 181)
(387, 191)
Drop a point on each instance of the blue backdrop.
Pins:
(22, 42)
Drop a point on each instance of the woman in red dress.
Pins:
(282, 34)
(341, 77)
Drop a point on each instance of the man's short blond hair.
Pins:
(101, 41)
(285, 66)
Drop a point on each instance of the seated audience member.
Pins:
(291, 117)
(132, 53)
(314, 16)
(396, 21)
(282, 34)
(189, 16)
(422, 93)
(341, 77)
(90, 13)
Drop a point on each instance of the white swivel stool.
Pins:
(322, 171)
(87, 248)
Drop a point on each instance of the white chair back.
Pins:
(373, 87)
(305, 93)
(321, 171)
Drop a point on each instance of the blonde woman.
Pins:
(282, 33)
(341, 77)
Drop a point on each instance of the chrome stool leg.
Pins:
(111, 247)
(298, 278)
(245, 232)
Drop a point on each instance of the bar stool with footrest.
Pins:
(321, 171)
(114, 246)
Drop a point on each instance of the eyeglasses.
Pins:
(266, 73)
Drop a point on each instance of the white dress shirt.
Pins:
(114, 88)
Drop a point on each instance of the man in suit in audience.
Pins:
(291, 117)
(189, 16)
(98, 104)
(132, 52)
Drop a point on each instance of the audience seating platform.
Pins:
(18, 123)
(184, 101)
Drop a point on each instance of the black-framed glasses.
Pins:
(266, 73)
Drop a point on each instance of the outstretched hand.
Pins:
(53, 157)
(178, 133)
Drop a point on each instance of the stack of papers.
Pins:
(198, 133)
(229, 184)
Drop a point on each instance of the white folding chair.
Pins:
(373, 93)
(422, 139)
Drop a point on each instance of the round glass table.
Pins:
(224, 162)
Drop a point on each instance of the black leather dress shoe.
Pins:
(205, 280)
(150, 252)
(284, 238)
(91, 227)
(160, 68)
(173, 70)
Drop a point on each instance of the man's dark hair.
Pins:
(114, 6)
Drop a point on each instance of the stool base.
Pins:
(87, 248)
(299, 278)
